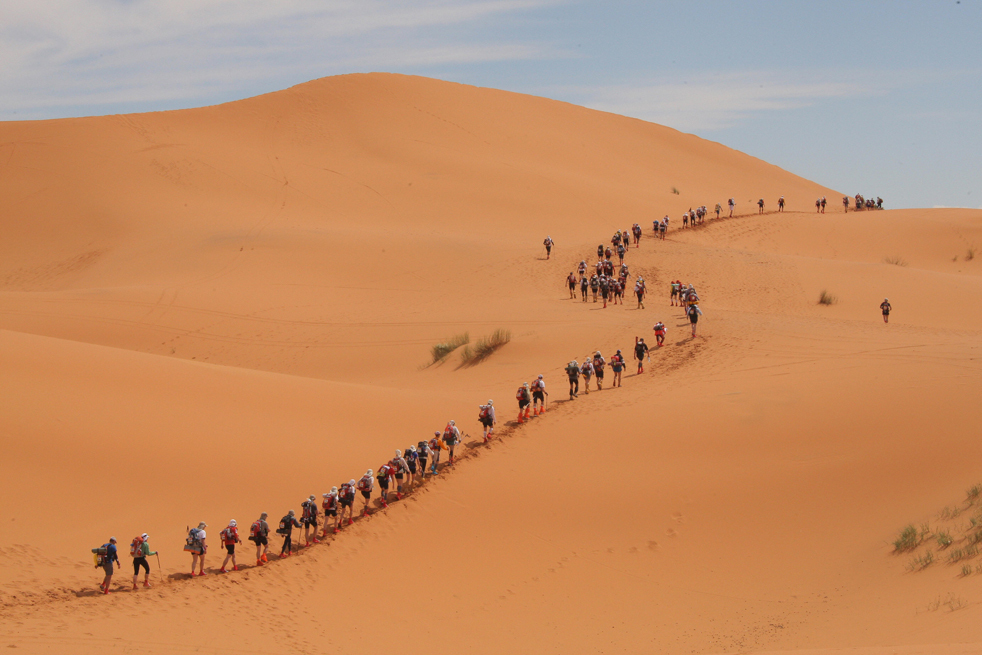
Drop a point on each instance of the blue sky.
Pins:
(879, 98)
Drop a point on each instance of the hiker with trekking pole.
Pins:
(538, 396)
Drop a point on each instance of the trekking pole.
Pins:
(159, 569)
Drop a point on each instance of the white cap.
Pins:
(351, 481)
(202, 525)
(144, 536)
(452, 423)
(369, 473)
(490, 402)
(398, 453)
(540, 376)
(232, 523)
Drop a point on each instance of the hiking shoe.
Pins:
(235, 568)
(134, 587)
(317, 541)
(202, 573)
(222, 570)
(350, 522)
(147, 584)
(336, 530)
(105, 590)
(259, 562)
(264, 559)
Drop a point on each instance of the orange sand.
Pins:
(209, 313)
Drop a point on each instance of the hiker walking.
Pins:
(548, 243)
(676, 287)
(617, 367)
(639, 291)
(760, 206)
(660, 333)
(196, 545)
(663, 228)
(823, 201)
(573, 373)
(330, 507)
(401, 469)
(694, 313)
(486, 416)
(731, 203)
(621, 251)
(259, 535)
(346, 497)
(139, 551)
(719, 208)
(539, 394)
(581, 268)
(451, 437)
(384, 474)
(586, 370)
(595, 285)
(366, 485)
(584, 285)
(308, 517)
(229, 537)
(598, 368)
(109, 555)
(436, 445)
(524, 400)
(640, 351)
(571, 283)
(637, 235)
(287, 523)
(604, 289)
(885, 307)
(845, 204)
(423, 453)
(780, 204)
(412, 461)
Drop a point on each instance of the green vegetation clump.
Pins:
(908, 540)
(447, 346)
(484, 347)
(825, 298)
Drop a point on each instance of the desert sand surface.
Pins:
(210, 313)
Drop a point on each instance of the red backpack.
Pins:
(228, 535)
(136, 548)
(256, 530)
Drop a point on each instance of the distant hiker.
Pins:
(366, 485)
(640, 350)
(818, 205)
(308, 517)
(423, 453)
(879, 202)
(139, 551)
(660, 333)
(195, 544)
(676, 287)
(329, 505)
(584, 285)
(663, 228)
(539, 396)
(346, 497)
(780, 204)
(412, 461)
(108, 555)
(595, 285)
(598, 368)
(287, 523)
(581, 269)
(885, 308)
(451, 437)
(822, 202)
(617, 367)
(617, 286)
(608, 253)
(621, 251)
(600, 251)
(573, 373)
(731, 203)
(487, 418)
(636, 229)
(548, 243)
(229, 537)
(719, 208)
(401, 468)
(571, 283)
(760, 206)
(259, 535)
(694, 313)
(436, 445)
(685, 220)
(524, 400)
(604, 289)
(845, 204)
(383, 476)
(586, 370)
(639, 291)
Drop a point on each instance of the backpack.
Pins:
(347, 492)
(424, 448)
(193, 542)
(305, 505)
(484, 412)
(256, 530)
(228, 535)
(572, 370)
(99, 555)
(284, 522)
(522, 393)
(330, 503)
(136, 547)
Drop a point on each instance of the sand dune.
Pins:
(209, 313)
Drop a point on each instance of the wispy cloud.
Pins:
(712, 102)
(83, 53)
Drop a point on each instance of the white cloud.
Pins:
(81, 53)
(711, 102)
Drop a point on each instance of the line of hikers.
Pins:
(401, 473)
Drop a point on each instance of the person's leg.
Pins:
(235, 566)
(146, 572)
(136, 571)
(228, 555)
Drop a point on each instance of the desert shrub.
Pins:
(441, 350)
(922, 562)
(907, 540)
(485, 347)
(944, 538)
(825, 298)
(675, 190)
(896, 261)
(973, 493)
